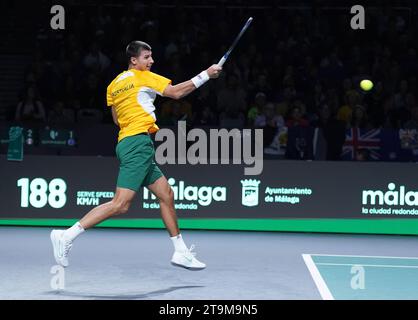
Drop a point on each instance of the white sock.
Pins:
(74, 231)
(178, 243)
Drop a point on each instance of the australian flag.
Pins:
(356, 139)
(382, 144)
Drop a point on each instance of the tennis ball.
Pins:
(366, 85)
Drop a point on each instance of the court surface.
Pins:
(134, 264)
(343, 277)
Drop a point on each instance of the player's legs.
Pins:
(120, 204)
(162, 190)
(135, 154)
(62, 240)
(183, 257)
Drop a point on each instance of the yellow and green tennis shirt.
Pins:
(132, 94)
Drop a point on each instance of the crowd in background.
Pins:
(294, 67)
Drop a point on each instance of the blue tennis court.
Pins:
(350, 277)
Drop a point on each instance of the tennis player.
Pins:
(131, 96)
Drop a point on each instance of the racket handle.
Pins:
(222, 61)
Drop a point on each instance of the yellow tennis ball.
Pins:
(366, 85)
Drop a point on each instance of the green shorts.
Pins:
(137, 166)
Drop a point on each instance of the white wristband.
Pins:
(200, 79)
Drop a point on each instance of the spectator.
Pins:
(345, 112)
(30, 108)
(359, 118)
(333, 132)
(262, 85)
(231, 101)
(270, 122)
(317, 98)
(296, 118)
(285, 102)
(413, 122)
(401, 95)
(203, 98)
(348, 87)
(389, 115)
(91, 94)
(258, 107)
(60, 116)
(172, 46)
(175, 110)
(95, 59)
(205, 117)
(375, 102)
(289, 77)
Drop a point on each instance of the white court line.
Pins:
(366, 265)
(319, 281)
(347, 255)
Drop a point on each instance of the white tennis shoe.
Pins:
(186, 259)
(61, 247)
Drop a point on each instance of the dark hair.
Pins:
(134, 49)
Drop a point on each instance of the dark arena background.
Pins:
(294, 180)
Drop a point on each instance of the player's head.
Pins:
(139, 55)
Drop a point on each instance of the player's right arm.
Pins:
(110, 103)
(181, 90)
(115, 116)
